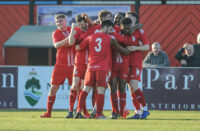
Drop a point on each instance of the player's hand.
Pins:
(77, 47)
(73, 26)
(113, 41)
(84, 15)
(183, 62)
(137, 27)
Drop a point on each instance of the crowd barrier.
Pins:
(27, 87)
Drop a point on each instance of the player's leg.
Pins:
(136, 104)
(136, 71)
(50, 100)
(73, 95)
(58, 78)
(114, 97)
(102, 79)
(123, 76)
(100, 102)
(122, 97)
(81, 101)
(88, 84)
(85, 112)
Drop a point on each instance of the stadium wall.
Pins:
(171, 25)
(12, 17)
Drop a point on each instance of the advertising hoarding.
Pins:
(8, 87)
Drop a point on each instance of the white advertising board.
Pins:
(46, 14)
(34, 86)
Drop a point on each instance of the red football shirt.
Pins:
(81, 56)
(136, 56)
(64, 55)
(99, 51)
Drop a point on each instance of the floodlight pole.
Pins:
(31, 12)
(137, 9)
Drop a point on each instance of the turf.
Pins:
(157, 121)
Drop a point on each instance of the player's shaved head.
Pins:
(125, 26)
(125, 21)
(107, 23)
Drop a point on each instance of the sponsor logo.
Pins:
(32, 92)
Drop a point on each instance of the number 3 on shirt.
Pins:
(98, 47)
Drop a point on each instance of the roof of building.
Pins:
(32, 36)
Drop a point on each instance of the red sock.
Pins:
(114, 102)
(140, 97)
(84, 105)
(81, 101)
(72, 99)
(50, 102)
(100, 103)
(135, 101)
(122, 97)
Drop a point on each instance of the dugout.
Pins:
(30, 45)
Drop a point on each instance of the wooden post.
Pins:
(50, 57)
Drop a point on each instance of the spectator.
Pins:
(189, 55)
(156, 58)
(198, 38)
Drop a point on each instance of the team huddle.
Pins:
(96, 55)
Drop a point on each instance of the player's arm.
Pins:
(145, 43)
(71, 35)
(137, 27)
(61, 43)
(65, 42)
(120, 39)
(88, 20)
(119, 47)
(82, 45)
(138, 48)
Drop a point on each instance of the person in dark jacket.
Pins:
(156, 58)
(189, 55)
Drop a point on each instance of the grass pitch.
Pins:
(28, 120)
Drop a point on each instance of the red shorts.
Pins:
(96, 78)
(135, 72)
(60, 73)
(79, 71)
(121, 70)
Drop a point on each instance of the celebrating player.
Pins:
(97, 73)
(64, 60)
(80, 66)
(136, 65)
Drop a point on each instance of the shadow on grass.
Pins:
(174, 119)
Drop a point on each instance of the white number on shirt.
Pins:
(98, 47)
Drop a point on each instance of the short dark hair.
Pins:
(125, 21)
(107, 23)
(120, 13)
(103, 13)
(80, 18)
(133, 14)
(60, 16)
